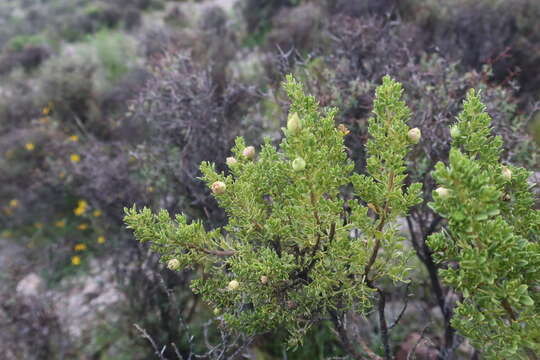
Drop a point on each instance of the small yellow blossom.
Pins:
(39, 225)
(150, 189)
(75, 158)
(82, 227)
(97, 213)
(81, 208)
(80, 247)
(76, 260)
(74, 138)
(46, 110)
(14, 203)
(29, 146)
(60, 223)
(101, 239)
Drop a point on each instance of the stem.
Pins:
(383, 325)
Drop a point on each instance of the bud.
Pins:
(217, 311)
(343, 129)
(298, 164)
(443, 193)
(219, 187)
(231, 161)
(264, 279)
(454, 131)
(233, 285)
(249, 152)
(506, 173)
(173, 264)
(293, 124)
(414, 135)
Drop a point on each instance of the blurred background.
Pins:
(106, 104)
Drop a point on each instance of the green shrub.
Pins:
(308, 239)
(491, 241)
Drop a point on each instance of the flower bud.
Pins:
(454, 131)
(218, 187)
(298, 164)
(264, 279)
(343, 129)
(231, 161)
(506, 173)
(173, 264)
(249, 152)
(233, 285)
(414, 135)
(293, 124)
(443, 193)
(217, 311)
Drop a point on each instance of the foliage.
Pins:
(286, 256)
(490, 242)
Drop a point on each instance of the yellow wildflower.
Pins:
(75, 158)
(46, 110)
(76, 260)
(97, 213)
(74, 138)
(150, 189)
(80, 247)
(343, 129)
(39, 225)
(82, 227)
(30, 146)
(81, 207)
(14, 203)
(101, 239)
(60, 223)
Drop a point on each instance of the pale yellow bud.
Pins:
(217, 311)
(231, 161)
(443, 192)
(293, 124)
(219, 187)
(506, 173)
(454, 131)
(264, 279)
(233, 285)
(414, 135)
(173, 264)
(249, 152)
(298, 164)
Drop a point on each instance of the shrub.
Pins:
(288, 255)
(298, 245)
(490, 242)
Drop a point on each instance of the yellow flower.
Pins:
(75, 158)
(81, 208)
(29, 146)
(82, 227)
(80, 247)
(150, 189)
(38, 225)
(76, 260)
(60, 223)
(46, 110)
(343, 129)
(14, 203)
(101, 239)
(74, 138)
(97, 213)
